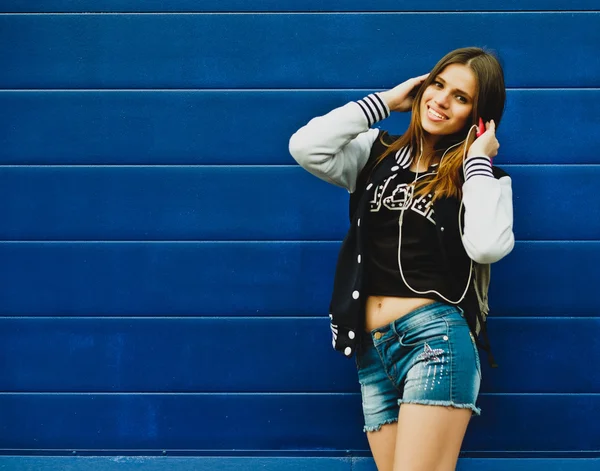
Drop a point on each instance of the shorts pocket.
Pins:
(423, 333)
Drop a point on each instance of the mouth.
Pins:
(435, 115)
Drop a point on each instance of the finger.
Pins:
(490, 126)
(421, 78)
(414, 84)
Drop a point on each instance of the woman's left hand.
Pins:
(485, 145)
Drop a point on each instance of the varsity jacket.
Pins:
(340, 148)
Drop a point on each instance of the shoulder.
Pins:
(385, 139)
(381, 144)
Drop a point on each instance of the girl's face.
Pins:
(447, 103)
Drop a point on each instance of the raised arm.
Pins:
(335, 147)
(487, 196)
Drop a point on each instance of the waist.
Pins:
(383, 310)
(426, 315)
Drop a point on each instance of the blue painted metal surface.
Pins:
(248, 203)
(250, 354)
(287, 5)
(253, 127)
(255, 279)
(262, 422)
(174, 305)
(246, 50)
(134, 463)
(171, 463)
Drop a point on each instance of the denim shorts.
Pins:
(427, 356)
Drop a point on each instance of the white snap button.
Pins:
(359, 259)
(348, 351)
(394, 168)
(351, 335)
(445, 337)
(355, 294)
(369, 186)
(358, 222)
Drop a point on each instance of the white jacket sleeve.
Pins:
(335, 147)
(488, 224)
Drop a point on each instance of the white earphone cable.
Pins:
(408, 203)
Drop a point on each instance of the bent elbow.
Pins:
(490, 251)
(298, 150)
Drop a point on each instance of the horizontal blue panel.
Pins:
(187, 127)
(556, 202)
(150, 203)
(285, 50)
(169, 355)
(547, 279)
(165, 278)
(285, 5)
(542, 355)
(555, 120)
(172, 463)
(256, 279)
(248, 203)
(274, 422)
(539, 355)
(194, 463)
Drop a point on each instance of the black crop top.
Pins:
(419, 252)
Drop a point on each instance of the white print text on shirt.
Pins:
(401, 198)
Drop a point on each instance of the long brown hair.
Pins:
(488, 104)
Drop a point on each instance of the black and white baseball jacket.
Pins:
(337, 147)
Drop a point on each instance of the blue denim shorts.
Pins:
(426, 357)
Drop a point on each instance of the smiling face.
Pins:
(447, 103)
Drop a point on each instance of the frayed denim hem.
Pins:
(377, 428)
(426, 402)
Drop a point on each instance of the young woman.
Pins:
(429, 213)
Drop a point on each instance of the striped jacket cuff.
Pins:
(478, 166)
(374, 108)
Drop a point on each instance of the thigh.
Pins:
(382, 444)
(380, 405)
(440, 391)
(429, 437)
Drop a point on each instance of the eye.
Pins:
(438, 84)
(462, 99)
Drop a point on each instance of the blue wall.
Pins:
(165, 267)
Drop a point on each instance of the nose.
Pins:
(441, 98)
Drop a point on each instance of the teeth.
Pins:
(436, 114)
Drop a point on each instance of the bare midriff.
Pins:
(383, 310)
